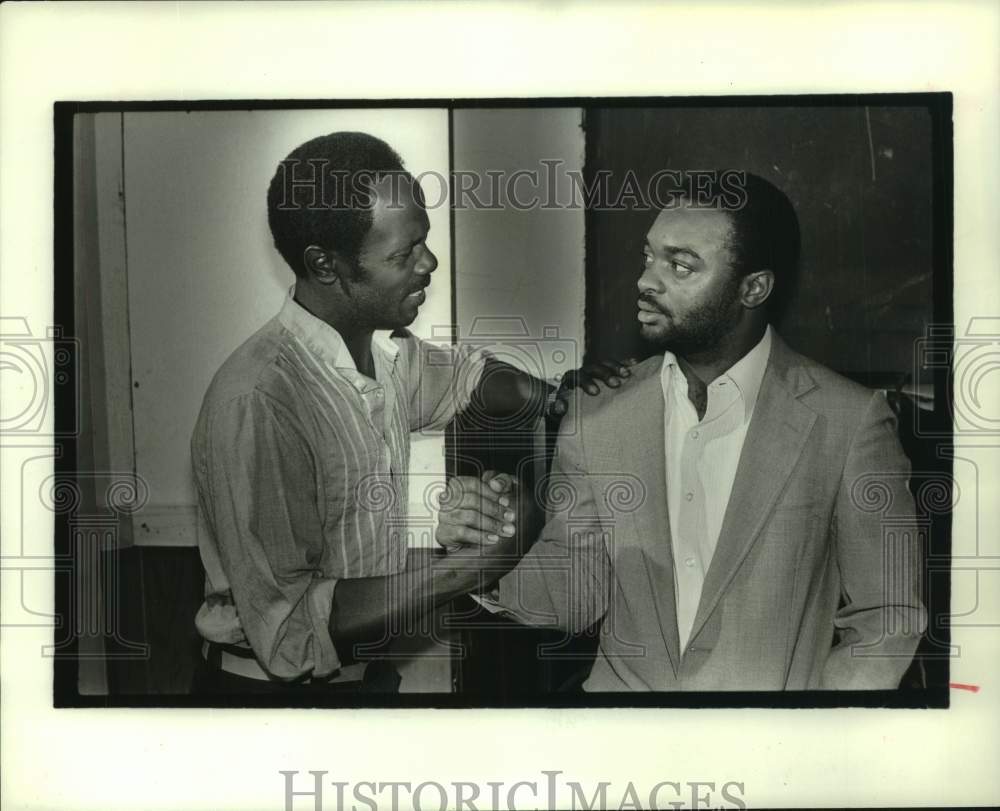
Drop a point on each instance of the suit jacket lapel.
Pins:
(774, 441)
(638, 447)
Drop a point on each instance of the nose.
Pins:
(428, 262)
(647, 283)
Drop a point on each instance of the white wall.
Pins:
(203, 274)
(522, 270)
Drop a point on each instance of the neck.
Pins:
(702, 367)
(332, 311)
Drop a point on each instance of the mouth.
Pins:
(418, 295)
(648, 313)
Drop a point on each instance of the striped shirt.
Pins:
(702, 456)
(300, 464)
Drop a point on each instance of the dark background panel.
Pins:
(155, 597)
(860, 179)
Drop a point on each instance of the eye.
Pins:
(681, 270)
(405, 253)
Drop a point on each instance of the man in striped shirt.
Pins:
(301, 449)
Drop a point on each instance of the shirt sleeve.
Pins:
(441, 380)
(879, 556)
(258, 490)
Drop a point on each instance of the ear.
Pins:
(323, 265)
(756, 288)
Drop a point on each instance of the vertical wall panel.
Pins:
(521, 272)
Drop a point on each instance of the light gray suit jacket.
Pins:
(815, 582)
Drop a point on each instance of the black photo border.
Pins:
(65, 664)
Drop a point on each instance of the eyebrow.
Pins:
(407, 245)
(673, 250)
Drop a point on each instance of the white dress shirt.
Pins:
(701, 460)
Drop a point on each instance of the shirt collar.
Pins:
(747, 373)
(323, 339)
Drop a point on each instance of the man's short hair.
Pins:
(765, 228)
(766, 236)
(321, 194)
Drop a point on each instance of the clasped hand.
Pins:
(486, 512)
(480, 512)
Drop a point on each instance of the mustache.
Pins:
(649, 299)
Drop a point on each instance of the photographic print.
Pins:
(494, 406)
(508, 404)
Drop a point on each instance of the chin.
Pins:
(401, 319)
(656, 335)
(667, 340)
(406, 317)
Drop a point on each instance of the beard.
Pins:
(382, 308)
(700, 329)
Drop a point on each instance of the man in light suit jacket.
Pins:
(736, 515)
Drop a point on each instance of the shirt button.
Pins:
(689, 496)
(694, 435)
(689, 562)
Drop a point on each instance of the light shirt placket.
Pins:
(693, 548)
(379, 399)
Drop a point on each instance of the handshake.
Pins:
(490, 514)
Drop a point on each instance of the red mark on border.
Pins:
(972, 688)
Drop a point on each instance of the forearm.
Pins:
(871, 658)
(879, 558)
(365, 608)
(503, 389)
(559, 585)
